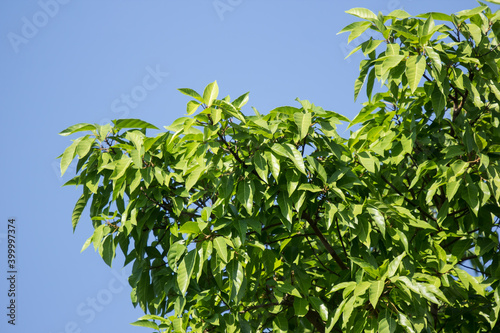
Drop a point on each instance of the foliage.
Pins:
(274, 222)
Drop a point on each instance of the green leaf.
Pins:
(415, 68)
(319, 306)
(436, 59)
(107, 250)
(192, 93)
(394, 265)
(378, 218)
(237, 277)
(210, 93)
(260, 164)
(376, 289)
(68, 156)
(387, 325)
(133, 123)
(300, 306)
(146, 323)
(185, 271)
(370, 162)
(471, 196)
(241, 101)
(220, 245)
(245, 195)
(296, 157)
(193, 177)
(452, 188)
(84, 146)
(280, 323)
(120, 166)
(192, 106)
(274, 164)
(175, 253)
(362, 13)
(77, 211)
(190, 228)
(391, 62)
(398, 13)
(77, 128)
(303, 121)
(358, 31)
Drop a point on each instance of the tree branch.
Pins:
(324, 241)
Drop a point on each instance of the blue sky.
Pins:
(69, 61)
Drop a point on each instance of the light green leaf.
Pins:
(285, 206)
(86, 244)
(376, 289)
(237, 280)
(245, 194)
(193, 177)
(319, 306)
(391, 62)
(436, 59)
(362, 13)
(274, 164)
(220, 245)
(415, 68)
(77, 128)
(378, 218)
(398, 13)
(394, 265)
(303, 121)
(452, 188)
(133, 123)
(120, 167)
(77, 211)
(387, 325)
(175, 253)
(68, 155)
(191, 93)
(210, 93)
(190, 228)
(241, 101)
(146, 323)
(84, 146)
(185, 271)
(260, 164)
(370, 162)
(192, 106)
(358, 31)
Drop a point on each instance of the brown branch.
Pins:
(315, 320)
(340, 237)
(319, 260)
(324, 241)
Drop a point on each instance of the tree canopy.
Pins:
(273, 222)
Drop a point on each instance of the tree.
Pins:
(263, 222)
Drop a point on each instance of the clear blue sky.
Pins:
(70, 61)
